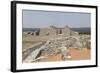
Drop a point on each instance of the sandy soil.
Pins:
(80, 54)
(76, 54)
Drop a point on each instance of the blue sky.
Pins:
(40, 19)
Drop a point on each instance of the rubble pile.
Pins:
(61, 45)
(78, 42)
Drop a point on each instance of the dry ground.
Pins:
(76, 54)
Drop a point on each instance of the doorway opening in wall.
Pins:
(60, 31)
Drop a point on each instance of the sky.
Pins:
(41, 19)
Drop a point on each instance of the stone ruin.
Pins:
(61, 45)
(69, 39)
(48, 31)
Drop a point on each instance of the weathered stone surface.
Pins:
(61, 45)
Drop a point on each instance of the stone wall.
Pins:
(53, 31)
(66, 31)
(47, 32)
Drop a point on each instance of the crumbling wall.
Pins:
(47, 32)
